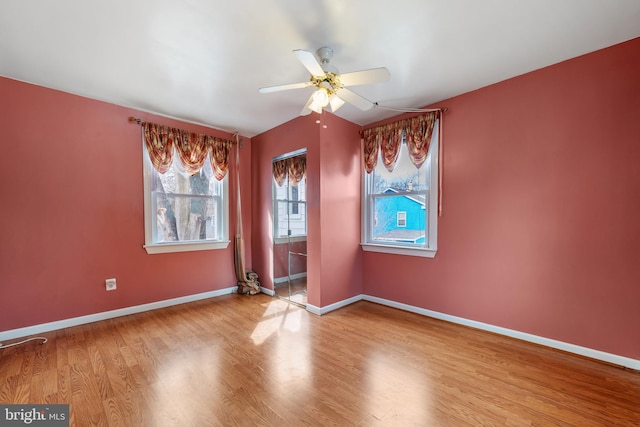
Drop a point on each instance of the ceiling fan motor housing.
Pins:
(325, 54)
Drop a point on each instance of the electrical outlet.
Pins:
(111, 284)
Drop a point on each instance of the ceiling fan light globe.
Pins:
(321, 97)
(315, 107)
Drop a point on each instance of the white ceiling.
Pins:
(202, 61)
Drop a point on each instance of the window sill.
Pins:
(163, 248)
(399, 250)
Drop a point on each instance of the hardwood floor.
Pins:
(256, 360)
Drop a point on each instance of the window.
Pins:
(184, 212)
(400, 207)
(290, 209)
(401, 220)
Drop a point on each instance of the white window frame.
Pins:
(161, 248)
(431, 246)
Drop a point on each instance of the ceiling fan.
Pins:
(330, 84)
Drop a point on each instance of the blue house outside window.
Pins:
(388, 208)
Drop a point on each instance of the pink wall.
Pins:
(294, 135)
(340, 265)
(72, 212)
(541, 207)
(333, 204)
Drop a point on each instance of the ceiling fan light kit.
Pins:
(330, 84)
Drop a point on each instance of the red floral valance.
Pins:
(293, 167)
(192, 149)
(280, 171)
(388, 139)
(297, 169)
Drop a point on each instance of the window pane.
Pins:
(294, 204)
(290, 209)
(184, 218)
(399, 218)
(297, 221)
(282, 222)
(177, 181)
(405, 176)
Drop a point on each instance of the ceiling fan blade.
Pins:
(284, 87)
(374, 75)
(355, 99)
(306, 110)
(310, 62)
(335, 102)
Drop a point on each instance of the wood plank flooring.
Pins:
(258, 361)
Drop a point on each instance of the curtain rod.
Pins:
(236, 136)
(410, 110)
(393, 120)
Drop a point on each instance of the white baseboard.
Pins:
(267, 291)
(326, 309)
(286, 278)
(66, 323)
(559, 345)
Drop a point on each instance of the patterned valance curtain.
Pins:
(293, 167)
(390, 142)
(388, 139)
(370, 146)
(418, 134)
(297, 169)
(192, 149)
(160, 142)
(280, 171)
(219, 150)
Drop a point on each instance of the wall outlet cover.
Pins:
(111, 284)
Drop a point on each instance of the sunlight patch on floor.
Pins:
(397, 390)
(181, 376)
(279, 315)
(282, 328)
